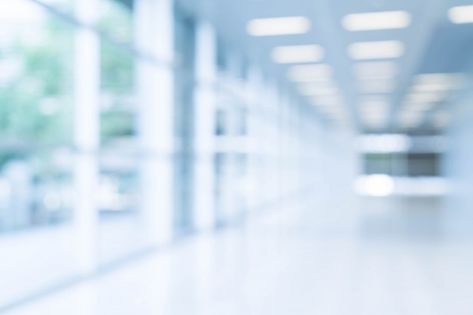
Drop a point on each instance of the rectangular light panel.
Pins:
(328, 100)
(297, 54)
(376, 21)
(314, 90)
(376, 86)
(310, 73)
(461, 14)
(410, 119)
(375, 70)
(376, 50)
(451, 79)
(384, 143)
(279, 26)
(426, 97)
(374, 112)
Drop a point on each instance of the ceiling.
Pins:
(433, 44)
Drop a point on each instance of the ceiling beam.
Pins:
(420, 34)
(335, 46)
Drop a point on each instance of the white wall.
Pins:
(459, 169)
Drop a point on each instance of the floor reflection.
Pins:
(391, 257)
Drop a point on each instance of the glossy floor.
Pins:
(373, 259)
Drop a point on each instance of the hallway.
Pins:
(221, 157)
(282, 263)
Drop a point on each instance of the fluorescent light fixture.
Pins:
(384, 143)
(376, 50)
(461, 14)
(317, 84)
(333, 110)
(310, 73)
(426, 97)
(454, 80)
(297, 54)
(376, 86)
(279, 26)
(328, 100)
(340, 114)
(338, 117)
(374, 116)
(375, 125)
(419, 106)
(374, 112)
(411, 121)
(371, 103)
(409, 116)
(377, 185)
(430, 87)
(375, 121)
(376, 21)
(319, 90)
(375, 70)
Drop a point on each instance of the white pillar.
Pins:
(271, 141)
(204, 101)
(86, 126)
(231, 200)
(284, 153)
(154, 27)
(255, 138)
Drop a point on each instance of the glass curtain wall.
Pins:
(35, 117)
(36, 149)
(120, 223)
(405, 164)
(184, 125)
(74, 199)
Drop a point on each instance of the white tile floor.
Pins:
(285, 264)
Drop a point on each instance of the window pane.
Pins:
(35, 117)
(117, 94)
(116, 20)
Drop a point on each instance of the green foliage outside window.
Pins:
(117, 73)
(35, 103)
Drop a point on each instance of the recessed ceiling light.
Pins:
(297, 54)
(328, 100)
(375, 99)
(376, 86)
(426, 97)
(410, 119)
(376, 21)
(317, 84)
(279, 26)
(374, 109)
(334, 110)
(452, 79)
(375, 123)
(431, 87)
(461, 14)
(375, 70)
(376, 50)
(418, 107)
(315, 89)
(384, 143)
(378, 117)
(310, 73)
